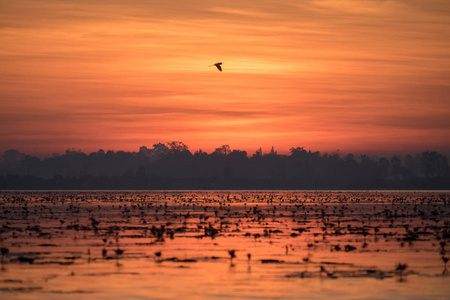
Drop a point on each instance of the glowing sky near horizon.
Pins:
(361, 76)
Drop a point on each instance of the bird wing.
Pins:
(218, 66)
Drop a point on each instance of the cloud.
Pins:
(317, 71)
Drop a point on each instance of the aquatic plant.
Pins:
(157, 256)
(4, 252)
(399, 269)
(445, 260)
(232, 254)
(329, 274)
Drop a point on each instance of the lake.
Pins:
(225, 244)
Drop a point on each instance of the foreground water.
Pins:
(225, 245)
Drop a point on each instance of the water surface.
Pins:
(179, 245)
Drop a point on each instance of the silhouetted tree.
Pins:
(176, 147)
(223, 150)
(433, 164)
(172, 166)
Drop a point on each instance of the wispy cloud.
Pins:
(331, 74)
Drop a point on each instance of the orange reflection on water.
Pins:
(177, 245)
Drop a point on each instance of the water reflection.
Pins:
(224, 244)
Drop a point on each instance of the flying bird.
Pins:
(218, 66)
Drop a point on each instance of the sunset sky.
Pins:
(361, 76)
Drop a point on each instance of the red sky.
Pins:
(360, 76)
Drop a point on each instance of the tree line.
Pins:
(173, 166)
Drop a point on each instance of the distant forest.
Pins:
(172, 166)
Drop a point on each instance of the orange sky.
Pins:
(361, 76)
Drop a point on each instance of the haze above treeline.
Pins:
(173, 166)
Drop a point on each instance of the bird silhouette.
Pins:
(218, 66)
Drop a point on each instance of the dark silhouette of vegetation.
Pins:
(173, 166)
